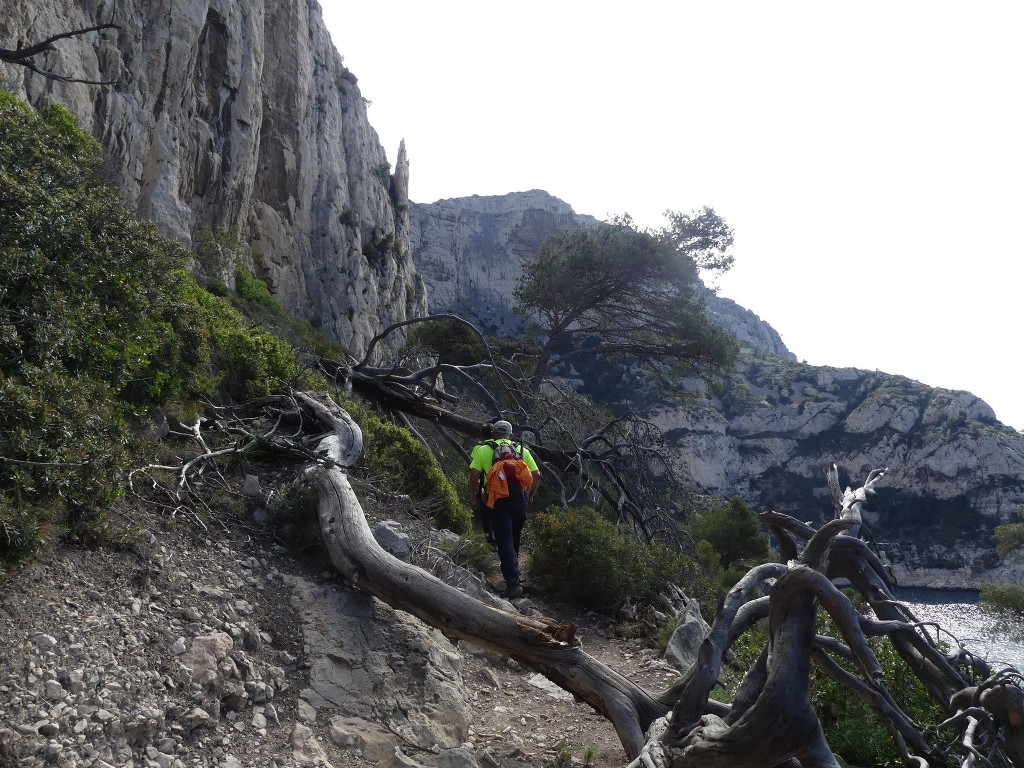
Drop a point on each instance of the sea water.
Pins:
(996, 638)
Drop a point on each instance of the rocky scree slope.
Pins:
(207, 642)
(767, 432)
(217, 118)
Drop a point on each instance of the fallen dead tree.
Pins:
(770, 720)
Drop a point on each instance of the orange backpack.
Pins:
(508, 472)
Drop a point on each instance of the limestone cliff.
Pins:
(954, 471)
(242, 117)
(767, 432)
(469, 250)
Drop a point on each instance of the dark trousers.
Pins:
(507, 520)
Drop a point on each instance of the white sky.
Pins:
(869, 156)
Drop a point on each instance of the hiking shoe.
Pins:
(514, 592)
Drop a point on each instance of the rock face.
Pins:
(381, 670)
(751, 331)
(215, 118)
(768, 432)
(954, 473)
(469, 250)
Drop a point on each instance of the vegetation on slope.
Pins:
(101, 323)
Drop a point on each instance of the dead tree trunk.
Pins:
(23, 55)
(770, 720)
(545, 645)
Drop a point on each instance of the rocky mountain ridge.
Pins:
(216, 119)
(768, 431)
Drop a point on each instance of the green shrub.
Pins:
(734, 531)
(21, 534)
(250, 288)
(85, 287)
(379, 245)
(99, 322)
(92, 327)
(1003, 596)
(582, 556)
(731, 535)
(852, 728)
(246, 361)
(395, 453)
(1009, 539)
(66, 442)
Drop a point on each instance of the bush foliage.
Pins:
(92, 326)
(582, 556)
(100, 321)
(1003, 596)
(1009, 539)
(729, 540)
(393, 451)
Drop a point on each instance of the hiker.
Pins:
(500, 498)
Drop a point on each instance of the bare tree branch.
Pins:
(22, 55)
